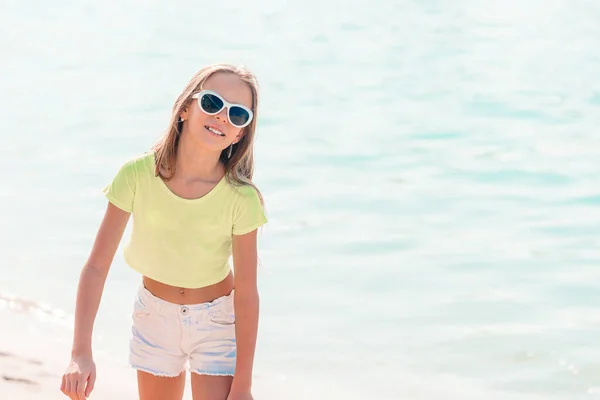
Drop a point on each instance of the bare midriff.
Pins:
(178, 295)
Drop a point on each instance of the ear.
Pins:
(240, 135)
(184, 114)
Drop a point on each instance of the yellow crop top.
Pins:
(181, 242)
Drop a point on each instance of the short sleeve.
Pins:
(121, 190)
(250, 213)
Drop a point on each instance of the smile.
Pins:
(214, 131)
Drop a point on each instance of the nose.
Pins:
(222, 116)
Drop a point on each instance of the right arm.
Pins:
(79, 378)
(93, 276)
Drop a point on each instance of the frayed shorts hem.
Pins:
(156, 373)
(167, 375)
(210, 373)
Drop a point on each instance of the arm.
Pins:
(93, 276)
(80, 376)
(246, 305)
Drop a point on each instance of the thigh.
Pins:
(212, 359)
(152, 387)
(210, 387)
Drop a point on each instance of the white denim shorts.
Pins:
(166, 338)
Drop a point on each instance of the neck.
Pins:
(197, 163)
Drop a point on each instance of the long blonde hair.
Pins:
(239, 168)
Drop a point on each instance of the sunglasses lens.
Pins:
(238, 116)
(211, 103)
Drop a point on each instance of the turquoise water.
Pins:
(430, 170)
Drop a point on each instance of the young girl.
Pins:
(193, 206)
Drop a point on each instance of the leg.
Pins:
(152, 387)
(212, 359)
(210, 387)
(155, 350)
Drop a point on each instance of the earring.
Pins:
(230, 150)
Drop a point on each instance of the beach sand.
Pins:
(36, 378)
(33, 357)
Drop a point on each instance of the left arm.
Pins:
(246, 306)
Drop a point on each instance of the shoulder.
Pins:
(138, 165)
(249, 211)
(245, 191)
(121, 190)
(134, 170)
(142, 161)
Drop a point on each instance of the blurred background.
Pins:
(430, 171)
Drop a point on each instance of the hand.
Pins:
(79, 378)
(239, 395)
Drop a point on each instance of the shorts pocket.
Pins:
(222, 317)
(140, 309)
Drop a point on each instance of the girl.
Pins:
(193, 206)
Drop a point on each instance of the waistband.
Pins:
(146, 297)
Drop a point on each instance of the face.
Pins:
(215, 132)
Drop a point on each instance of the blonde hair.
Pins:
(239, 168)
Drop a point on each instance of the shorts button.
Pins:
(184, 310)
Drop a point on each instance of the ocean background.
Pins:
(430, 170)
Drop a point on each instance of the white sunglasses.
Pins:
(211, 103)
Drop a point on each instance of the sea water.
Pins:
(430, 171)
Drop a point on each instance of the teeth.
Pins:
(215, 131)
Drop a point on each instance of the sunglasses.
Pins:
(211, 103)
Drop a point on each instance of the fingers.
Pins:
(74, 387)
(73, 392)
(68, 388)
(90, 384)
(79, 388)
